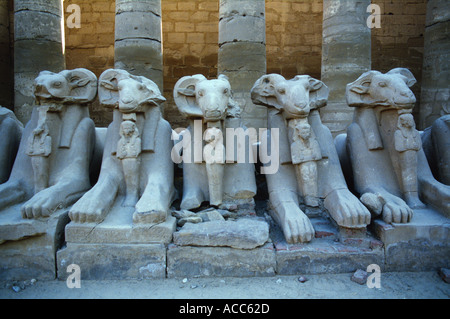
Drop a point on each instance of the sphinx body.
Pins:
(389, 167)
(212, 172)
(291, 102)
(11, 132)
(52, 167)
(436, 145)
(136, 166)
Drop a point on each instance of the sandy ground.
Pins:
(418, 285)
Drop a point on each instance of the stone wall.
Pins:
(6, 65)
(92, 45)
(293, 41)
(400, 40)
(294, 37)
(190, 46)
(436, 70)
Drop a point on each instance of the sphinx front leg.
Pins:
(12, 192)
(346, 209)
(49, 200)
(297, 227)
(131, 168)
(95, 204)
(41, 172)
(432, 192)
(154, 204)
(194, 176)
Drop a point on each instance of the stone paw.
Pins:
(41, 205)
(297, 227)
(149, 217)
(346, 209)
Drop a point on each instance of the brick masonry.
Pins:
(293, 37)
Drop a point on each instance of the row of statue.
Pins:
(381, 155)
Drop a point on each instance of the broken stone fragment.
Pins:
(179, 214)
(211, 215)
(360, 277)
(190, 219)
(245, 233)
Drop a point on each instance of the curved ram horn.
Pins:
(108, 92)
(263, 91)
(410, 80)
(184, 95)
(83, 84)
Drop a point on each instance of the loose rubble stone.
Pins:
(244, 233)
(302, 279)
(191, 219)
(360, 277)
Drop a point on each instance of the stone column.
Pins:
(138, 39)
(6, 80)
(435, 94)
(38, 46)
(346, 54)
(242, 53)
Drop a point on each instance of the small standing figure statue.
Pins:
(305, 152)
(407, 143)
(128, 151)
(39, 149)
(214, 155)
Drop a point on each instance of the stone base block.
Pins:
(187, 261)
(244, 233)
(27, 246)
(118, 228)
(113, 261)
(328, 252)
(421, 245)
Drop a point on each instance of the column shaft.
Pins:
(242, 53)
(38, 46)
(138, 40)
(435, 94)
(346, 54)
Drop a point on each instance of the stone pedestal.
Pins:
(346, 54)
(421, 245)
(28, 246)
(331, 251)
(220, 248)
(116, 248)
(190, 261)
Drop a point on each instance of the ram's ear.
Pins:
(263, 91)
(406, 74)
(223, 77)
(108, 92)
(154, 94)
(357, 91)
(318, 93)
(83, 85)
(184, 95)
(233, 109)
